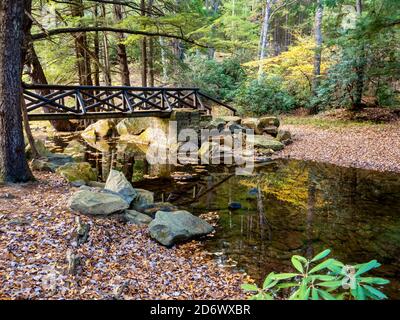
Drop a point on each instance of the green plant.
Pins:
(263, 96)
(315, 280)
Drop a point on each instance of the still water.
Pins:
(288, 207)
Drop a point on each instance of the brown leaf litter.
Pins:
(119, 261)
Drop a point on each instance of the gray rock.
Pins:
(265, 142)
(284, 135)
(234, 127)
(77, 171)
(169, 228)
(116, 182)
(272, 130)
(51, 162)
(97, 203)
(136, 217)
(143, 199)
(269, 121)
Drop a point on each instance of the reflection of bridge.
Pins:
(90, 102)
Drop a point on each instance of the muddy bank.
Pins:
(118, 261)
(375, 147)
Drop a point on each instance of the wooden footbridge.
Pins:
(58, 102)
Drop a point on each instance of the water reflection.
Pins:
(289, 207)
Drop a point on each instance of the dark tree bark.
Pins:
(360, 68)
(13, 27)
(151, 62)
(143, 48)
(106, 56)
(82, 56)
(121, 49)
(96, 50)
(151, 52)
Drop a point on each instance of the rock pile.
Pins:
(136, 206)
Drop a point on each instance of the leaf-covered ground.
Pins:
(375, 147)
(118, 260)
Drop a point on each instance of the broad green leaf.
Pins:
(322, 277)
(314, 294)
(297, 264)
(249, 287)
(360, 293)
(331, 284)
(322, 265)
(326, 295)
(321, 255)
(367, 266)
(271, 284)
(375, 292)
(283, 276)
(287, 285)
(373, 280)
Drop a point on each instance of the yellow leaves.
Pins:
(294, 66)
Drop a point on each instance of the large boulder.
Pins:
(169, 228)
(99, 129)
(284, 135)
(264, 124)
(51, 162)
(97, 203)
(251, 123)
(143, 199)
(268, 121)
(265, 142)
(77, 171)
(136, 217)
(117, 182)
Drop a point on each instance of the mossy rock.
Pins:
(265, 142)
(77, 171)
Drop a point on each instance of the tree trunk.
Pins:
(318, 45)
(121, 49)
(151, 62)
(106, 56)
(96, 49)
(143, 48)
(82, 56)
(13, 27)
(163, 62)
(264, 42)
(360, 68)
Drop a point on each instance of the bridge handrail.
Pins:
(111, 88)
(186, 96)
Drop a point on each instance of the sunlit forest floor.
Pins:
(119, 261)
(372, 142)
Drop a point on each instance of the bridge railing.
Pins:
(93, 102)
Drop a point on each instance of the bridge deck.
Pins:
(55, 102)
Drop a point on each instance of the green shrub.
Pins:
(263, 96)
(327, 280)
(217, 79)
